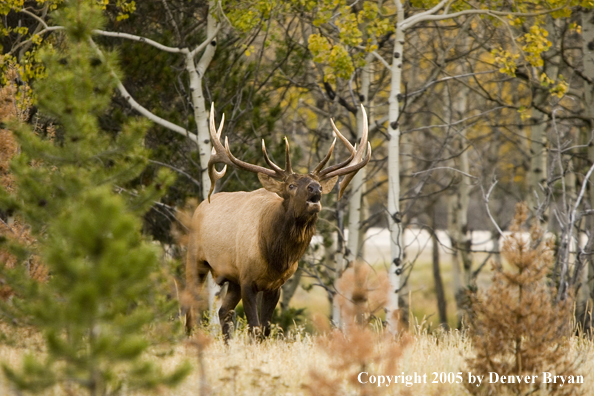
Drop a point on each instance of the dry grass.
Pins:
(283, 367)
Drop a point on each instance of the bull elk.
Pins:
(253, 240)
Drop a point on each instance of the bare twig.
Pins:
(196, 182)
(486, 200)
(445, 167)
(173, 22)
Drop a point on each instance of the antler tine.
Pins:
(355, 162)
(322, 174)
(288, 168)
(344, 140)
(318, 168)
(352, 170)
(274, 166)
(249, 167)
(218, 152)
(215, 137)
(223, 155)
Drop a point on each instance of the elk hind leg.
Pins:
(195, 277)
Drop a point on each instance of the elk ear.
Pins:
(328, 185)
(271, 184)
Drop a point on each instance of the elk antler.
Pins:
(217, 154)
(349, 167)
(222, 154)
(352, 165)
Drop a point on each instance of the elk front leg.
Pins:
(229, 303)
(195, 276)
(269, 301)
(250, 306)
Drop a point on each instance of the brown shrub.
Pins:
(14, 105)
(361, 294)
(516, 327)
(359, 347)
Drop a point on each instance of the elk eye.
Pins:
(291, 187)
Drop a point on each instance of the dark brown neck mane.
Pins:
(286, 238)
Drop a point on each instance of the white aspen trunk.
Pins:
(335, 253)
(457, 284)
(339, 268)
(394, 216)
(588, 64)
(536, 173)
(354, 224)
(539, 154)
(465, 237)
(356, 209)
(196, 73)
(458, 201)
(464, 242)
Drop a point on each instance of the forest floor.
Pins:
(302, 364)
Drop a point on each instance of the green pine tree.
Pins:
(104, 302)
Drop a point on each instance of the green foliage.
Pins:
(287, 320)
(105, 300)
(246, 15)
(506, 61)
(25, 40)
(358, 31)
(98, 302)
(290, 318)
(81, 155)
(535, 43)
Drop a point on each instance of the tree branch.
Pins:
(486, 200)
(428, 15)
(205, 42)
(32, 15)
(46, 30)
(377, 56)
(141, 40)
(142, 110)
(420, 17)
(153, 117)
(196, 182)
(445, 167)
(427, 86)
(172, 19)
(582, 191)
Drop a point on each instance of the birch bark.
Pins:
(196, 73)
(458, 203)
(356, 204)
(588, 63)
(538, 174)
(394, 217)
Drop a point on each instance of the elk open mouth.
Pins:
(315, 198)
(313, 203)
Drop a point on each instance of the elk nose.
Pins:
(314, 189)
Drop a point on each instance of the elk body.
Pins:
(254, 240)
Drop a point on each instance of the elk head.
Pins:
(301, 193)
